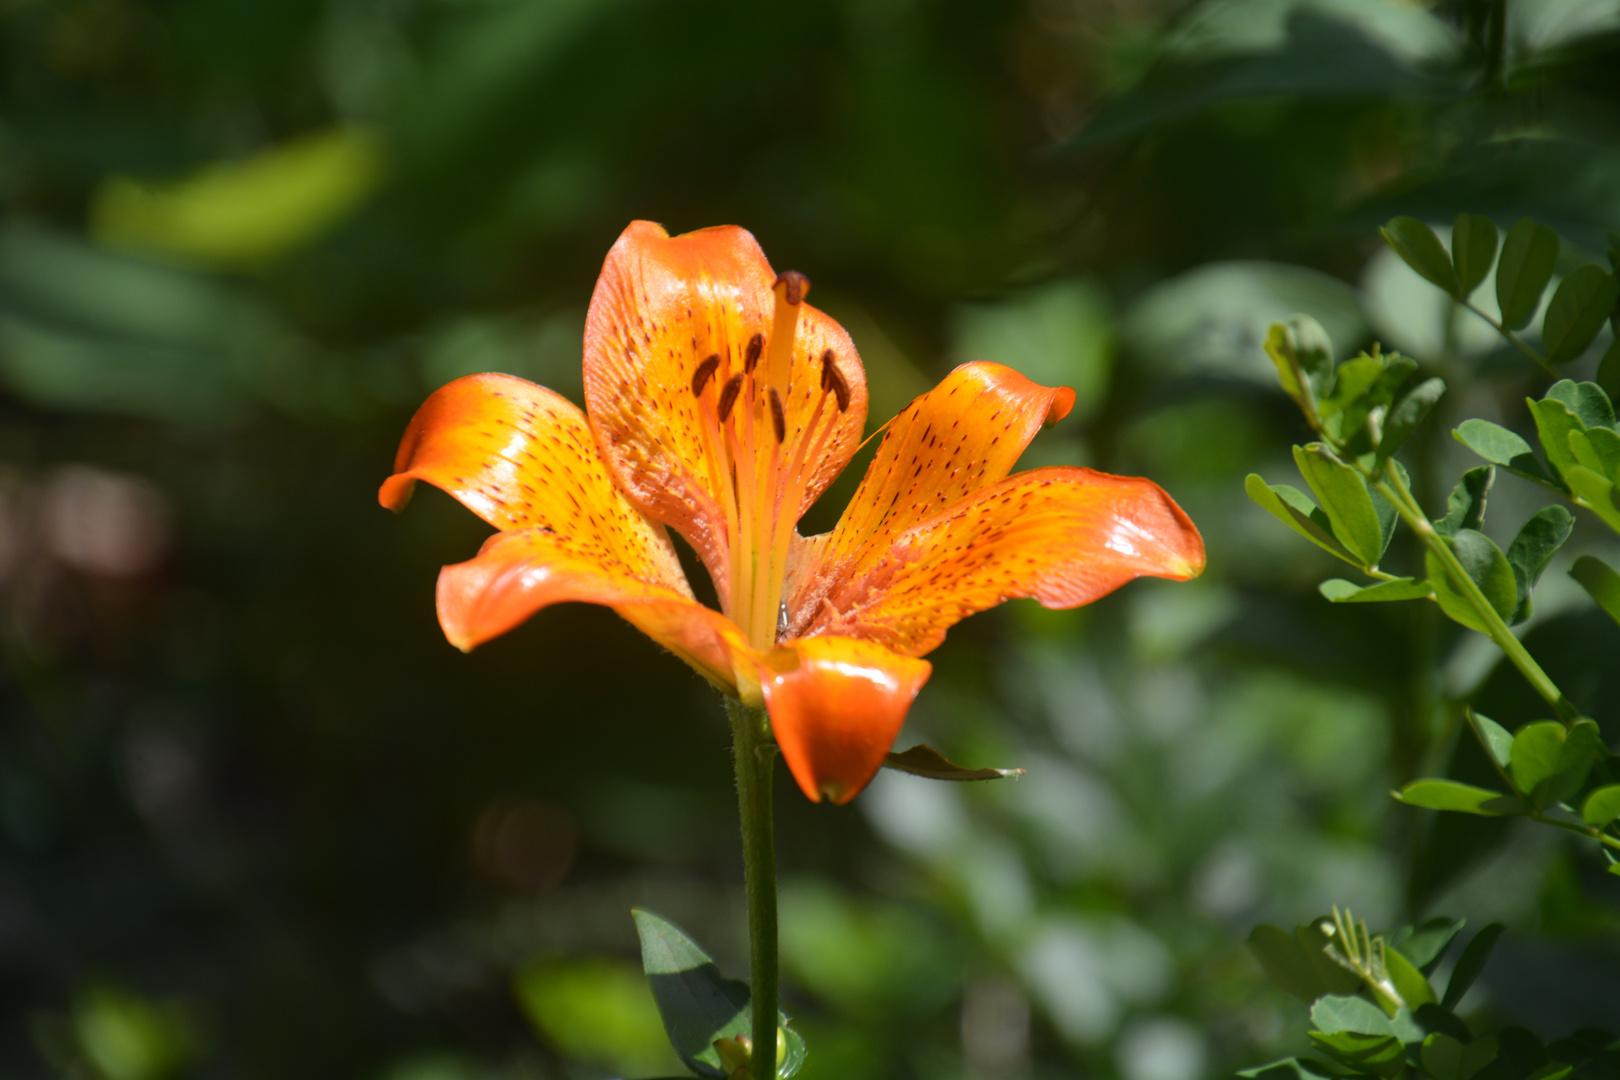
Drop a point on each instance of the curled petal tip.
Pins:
(395, 493)
(1062, 402)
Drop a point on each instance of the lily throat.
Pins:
(765, 437)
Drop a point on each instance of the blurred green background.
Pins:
(257, 819)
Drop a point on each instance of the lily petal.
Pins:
(964, 435)
(1064, 536)
(662, 308)
(522, 457)
(518, 573)
(836, 705)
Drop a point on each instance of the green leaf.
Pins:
(1290, 1069)
(1353, 379)
(1473, 250)
(1550, 762)
(1537, 542)
(923, 760)
(1409, 982)
(1598, 449)
(1596, 492)
(1341, 591)
(1446, 1058)
(1470, 964)
(1586, 400)
(1425, 945)
(1421, 249)
(1346, 499)
(1577, 311)
(1378, 1055)
(1404, 418)
(1554, 422)
(1303, 354)
(699, 1005)
(1334, 1013)
(1601, 581)
(1485, 564)
(1459, 797)
(1290, 506)
(1608, 370)
(1293, 967)
(1498, 445)
(1529, 254)
(1465, 508)
(1496, 739)
(1536, 750)
(1602, 806)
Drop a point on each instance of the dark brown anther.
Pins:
(756, 345)
(728, 396)
(832, 380)
(778, 420)
(704, 372)
(795, 286)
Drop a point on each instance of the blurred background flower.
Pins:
(258, 818)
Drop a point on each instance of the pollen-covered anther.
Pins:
(728, 396)
(778, 419)
(756, 345)
(794, 285)
(705, 371)
(833, 381)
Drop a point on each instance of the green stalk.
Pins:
(1517, 342)
(755, 758)
(1389, 485)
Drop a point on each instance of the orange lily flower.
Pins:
(720, 405)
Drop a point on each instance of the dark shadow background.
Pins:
(257, 819)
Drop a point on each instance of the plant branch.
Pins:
(1517, 342)
(1388, 484)
(755, 759)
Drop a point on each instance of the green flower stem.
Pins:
(1540, 361)
(1388, 484)
(755, 758)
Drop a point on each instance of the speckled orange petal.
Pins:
(961, 436)
(1063, 536)
(662, 307)
(836, 705)
(518, 573)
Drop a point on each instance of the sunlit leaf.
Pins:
(1421, 249)
(1290, 506)
(1409, 982)
(1341, 591)
(1601, 581)
(1529, 255)
(1303, 354)
(1602, 806)
(1486, 566)
(1554, 422)
(1496, 740)
(1335, 1013)
(1586, 400)
(1500, 446)
(241, 213)
(1346, 500)
(1577, 311)
(1459, 797)
(1596, 492)
(1598, 449)
(1473, 250)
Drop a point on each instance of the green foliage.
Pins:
(1529, 255)
(701, 1008)
(597, 1011)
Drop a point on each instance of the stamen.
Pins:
(778, 420)
(756, 345)
(832, 380)
(705, 372)
(781, 620)
(791, 288)
(795, 286)
(728, 396)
